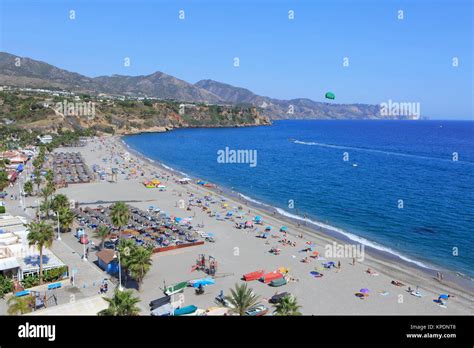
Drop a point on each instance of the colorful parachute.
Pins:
(330, 95)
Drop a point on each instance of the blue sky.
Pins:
(407, 60)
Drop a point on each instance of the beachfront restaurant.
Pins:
(17, 258)
(29, 265)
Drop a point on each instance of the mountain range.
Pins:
(26, 72)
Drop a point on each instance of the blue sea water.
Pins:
(390, 164)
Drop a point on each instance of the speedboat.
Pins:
(253, 275)
(257, 311)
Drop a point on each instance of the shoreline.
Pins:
(240, 251)
(321, 230)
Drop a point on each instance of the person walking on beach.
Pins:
(339, 264)
(353, 261)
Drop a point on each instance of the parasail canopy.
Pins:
(330, 95)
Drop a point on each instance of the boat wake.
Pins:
(389, 153)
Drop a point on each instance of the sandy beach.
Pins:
(239, 251)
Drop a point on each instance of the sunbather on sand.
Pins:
(397, 283)
(372, 272)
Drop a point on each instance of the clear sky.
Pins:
(408, 60)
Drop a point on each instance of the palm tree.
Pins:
(123, 303)
(40, 234)
(101, 232)
(19, 305)
(38, 162)
(140, 263)
(46, 192)
(66, 218)
(126, 248)
(242, 298)
(60, 201)
(49, 176)
(120, 215)
(287, 306)
(3, 179)
(51, 188)
(28, 188)
(37, 179)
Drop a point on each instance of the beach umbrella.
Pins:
(258, 218)
(283, 229)
(444, 296)
(364, 291)
(268, 228)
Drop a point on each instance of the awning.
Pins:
(9, 263)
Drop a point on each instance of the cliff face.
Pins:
(48, 113)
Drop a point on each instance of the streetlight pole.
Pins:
(120, 287)
(59, 229)
(38, 209)
(84, 247)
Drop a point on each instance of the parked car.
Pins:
(3, 194)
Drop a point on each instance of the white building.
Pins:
(17, 258)
(46, 139)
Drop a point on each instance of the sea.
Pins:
(405, 188)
